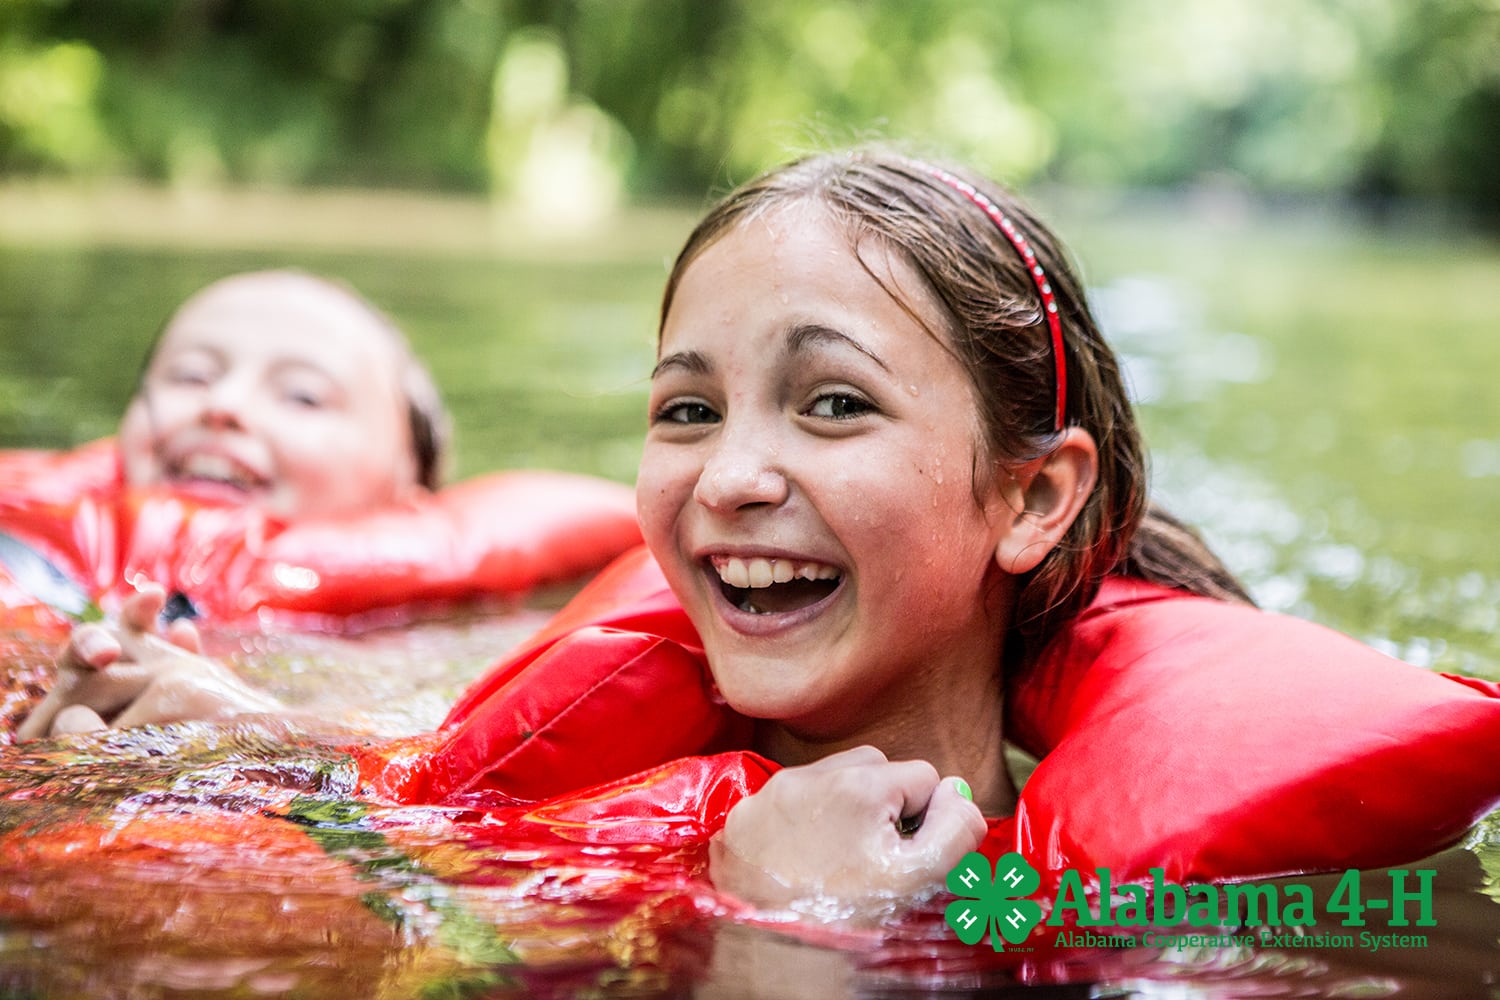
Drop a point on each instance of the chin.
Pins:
(763, 691)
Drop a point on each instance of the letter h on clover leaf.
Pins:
(993, 903)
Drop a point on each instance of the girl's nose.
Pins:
(744, 470)
(224, 403)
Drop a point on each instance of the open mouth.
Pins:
(216, 470)
(774, 586)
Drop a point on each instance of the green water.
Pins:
(1318, 395)
(1328, 416)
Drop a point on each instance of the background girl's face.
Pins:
(808, 481)
(276, 389)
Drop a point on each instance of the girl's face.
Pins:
(277, 390)
(809, 482)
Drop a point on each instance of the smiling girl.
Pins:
(889, 454)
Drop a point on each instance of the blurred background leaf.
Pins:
(578, 104)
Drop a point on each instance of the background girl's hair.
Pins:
(431, 426)
(996, 327)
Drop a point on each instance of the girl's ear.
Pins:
(1041, 498)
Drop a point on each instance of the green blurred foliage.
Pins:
(553, 101)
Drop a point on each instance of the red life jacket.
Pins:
(1211, 740)
(498, 534)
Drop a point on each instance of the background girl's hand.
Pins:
(131, 676)
(851, 833)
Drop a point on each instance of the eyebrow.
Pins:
(805, 336)
(800, 337)
(692, 362)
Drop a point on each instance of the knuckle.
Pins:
(922, 770)
(866, 754)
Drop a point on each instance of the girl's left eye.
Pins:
(305, 398)
(686, 412)
(839, 406)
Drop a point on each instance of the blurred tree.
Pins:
(600, 98)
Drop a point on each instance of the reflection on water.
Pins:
(244, 861)
(389, 682)
(1346, 468)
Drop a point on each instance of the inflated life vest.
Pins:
(69, 517)
(1212, 740)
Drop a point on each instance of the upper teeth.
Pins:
(756, 572)
(214, 467)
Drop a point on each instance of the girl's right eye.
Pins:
(686, 412)
(185, 368)
(185, 375)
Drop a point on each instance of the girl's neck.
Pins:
(959, 732)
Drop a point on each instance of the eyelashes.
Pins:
(839, 407)
(689, 411)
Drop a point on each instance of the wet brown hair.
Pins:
(996, 328)
(427, 417)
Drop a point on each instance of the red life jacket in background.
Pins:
(499, 534)
(1212, 740)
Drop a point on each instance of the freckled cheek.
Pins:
(137, 450)
(663, 487)
(167, 411)
(360, 431)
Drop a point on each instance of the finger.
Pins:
(184, 635)
(140, 610)
(953, 827)
(77, 719)
(108, 691)
(853, 757)
(148, 647)
(39, 722)
(90, 647)
(911, 784)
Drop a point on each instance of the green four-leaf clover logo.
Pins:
(993, 904)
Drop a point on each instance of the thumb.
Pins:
(90, 647)
(77, 719)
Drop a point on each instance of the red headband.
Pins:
(1038, 276)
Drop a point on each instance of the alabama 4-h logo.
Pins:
(995, 903)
